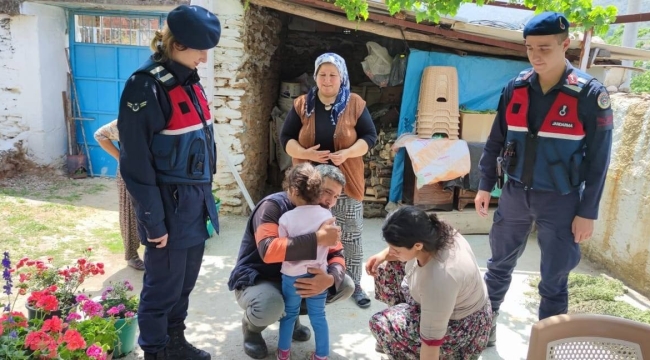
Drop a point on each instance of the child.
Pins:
(302, 184)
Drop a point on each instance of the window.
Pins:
(115, 30)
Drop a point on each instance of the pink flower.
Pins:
(113, 311)
(92, 308)
(81, 297)
(129, 314)
(73, 316)
(95, 352)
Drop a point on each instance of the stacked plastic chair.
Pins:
(438, 111)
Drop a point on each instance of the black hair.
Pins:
(409, 225)
(306, 180)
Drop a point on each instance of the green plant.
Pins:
(13, 329)
(577, 11)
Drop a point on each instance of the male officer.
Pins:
(167, 160)
(552, 136)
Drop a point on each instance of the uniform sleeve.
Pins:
(598, 120)
(271, 246)
(136, 130)
(436, 307)
(365, 129)
(488, 162)
(107, 132)
(290, 128)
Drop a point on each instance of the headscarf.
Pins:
(343, 96)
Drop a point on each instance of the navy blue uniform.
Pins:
(167, 160)
(557, 161)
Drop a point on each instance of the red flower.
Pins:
(30, 263)
(81, 261)
(54, 325)
(38, 340)
(100, 265)
(74, 340)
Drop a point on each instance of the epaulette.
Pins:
(522, 78)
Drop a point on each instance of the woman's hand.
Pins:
(373, 263)
(312, 154)
(339, 157)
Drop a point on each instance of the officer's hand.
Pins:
(482, 202)
(582, 229)
(161, 241)
(328, 234)
(308, 287)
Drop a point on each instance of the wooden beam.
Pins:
(378, 29)
(586, 46)
(631, 18)
(421, 27)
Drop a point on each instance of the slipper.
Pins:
(136, 263)
(360, 297)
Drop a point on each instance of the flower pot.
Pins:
(39, 314)
(209, 223)
(126, 336)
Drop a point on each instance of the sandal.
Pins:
(360, 297)
(136, 263)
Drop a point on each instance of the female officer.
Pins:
(167, 160)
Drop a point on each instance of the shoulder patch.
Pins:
(136, 106)
(603, 100)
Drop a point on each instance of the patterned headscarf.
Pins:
(344, 92)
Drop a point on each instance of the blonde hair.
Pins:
(162, 44)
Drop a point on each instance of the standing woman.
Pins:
(167, 159)
(105, 136)
(330, 125)
(429, 277)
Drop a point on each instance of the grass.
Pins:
(596, 295)
(54, 225)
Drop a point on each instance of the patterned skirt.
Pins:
(349, 216)
(397, 329)
(128, 222)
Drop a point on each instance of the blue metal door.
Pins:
(105, 50)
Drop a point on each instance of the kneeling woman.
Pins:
(429, 277)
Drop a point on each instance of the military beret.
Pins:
(546, 23)
(194, 27)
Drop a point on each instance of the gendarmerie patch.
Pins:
(563, 124)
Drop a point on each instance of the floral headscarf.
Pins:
(344, 92)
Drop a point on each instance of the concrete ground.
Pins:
(214, 321)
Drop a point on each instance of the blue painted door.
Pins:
(105, 50)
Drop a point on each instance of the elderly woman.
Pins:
(105, 136)
(438, 302)
(329, 125)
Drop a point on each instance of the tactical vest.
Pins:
(250, 265)
(550, 159)
(184, 152)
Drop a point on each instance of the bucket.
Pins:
(209, 223)
(126, 337)
(76, 165)
(290, 89)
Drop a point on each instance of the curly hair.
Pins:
(306, 180)
(409, 225)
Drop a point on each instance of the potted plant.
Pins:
(51, 291)
(118, 303)
(95, 326)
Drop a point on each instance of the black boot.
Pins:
(161, 355)
(300, 332)
(254, 344)
(179, 348)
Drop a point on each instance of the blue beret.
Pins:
(194, 27)
(546, 23)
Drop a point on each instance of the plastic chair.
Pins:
(589, 336)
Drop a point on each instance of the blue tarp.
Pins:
(480, 81)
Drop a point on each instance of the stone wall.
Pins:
(620, 240)
(11, 125)
(246, 81)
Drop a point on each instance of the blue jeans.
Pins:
(315, 309)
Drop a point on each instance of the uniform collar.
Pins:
(534, 82)
(183, 74)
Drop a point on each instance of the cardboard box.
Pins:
(475, 127)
